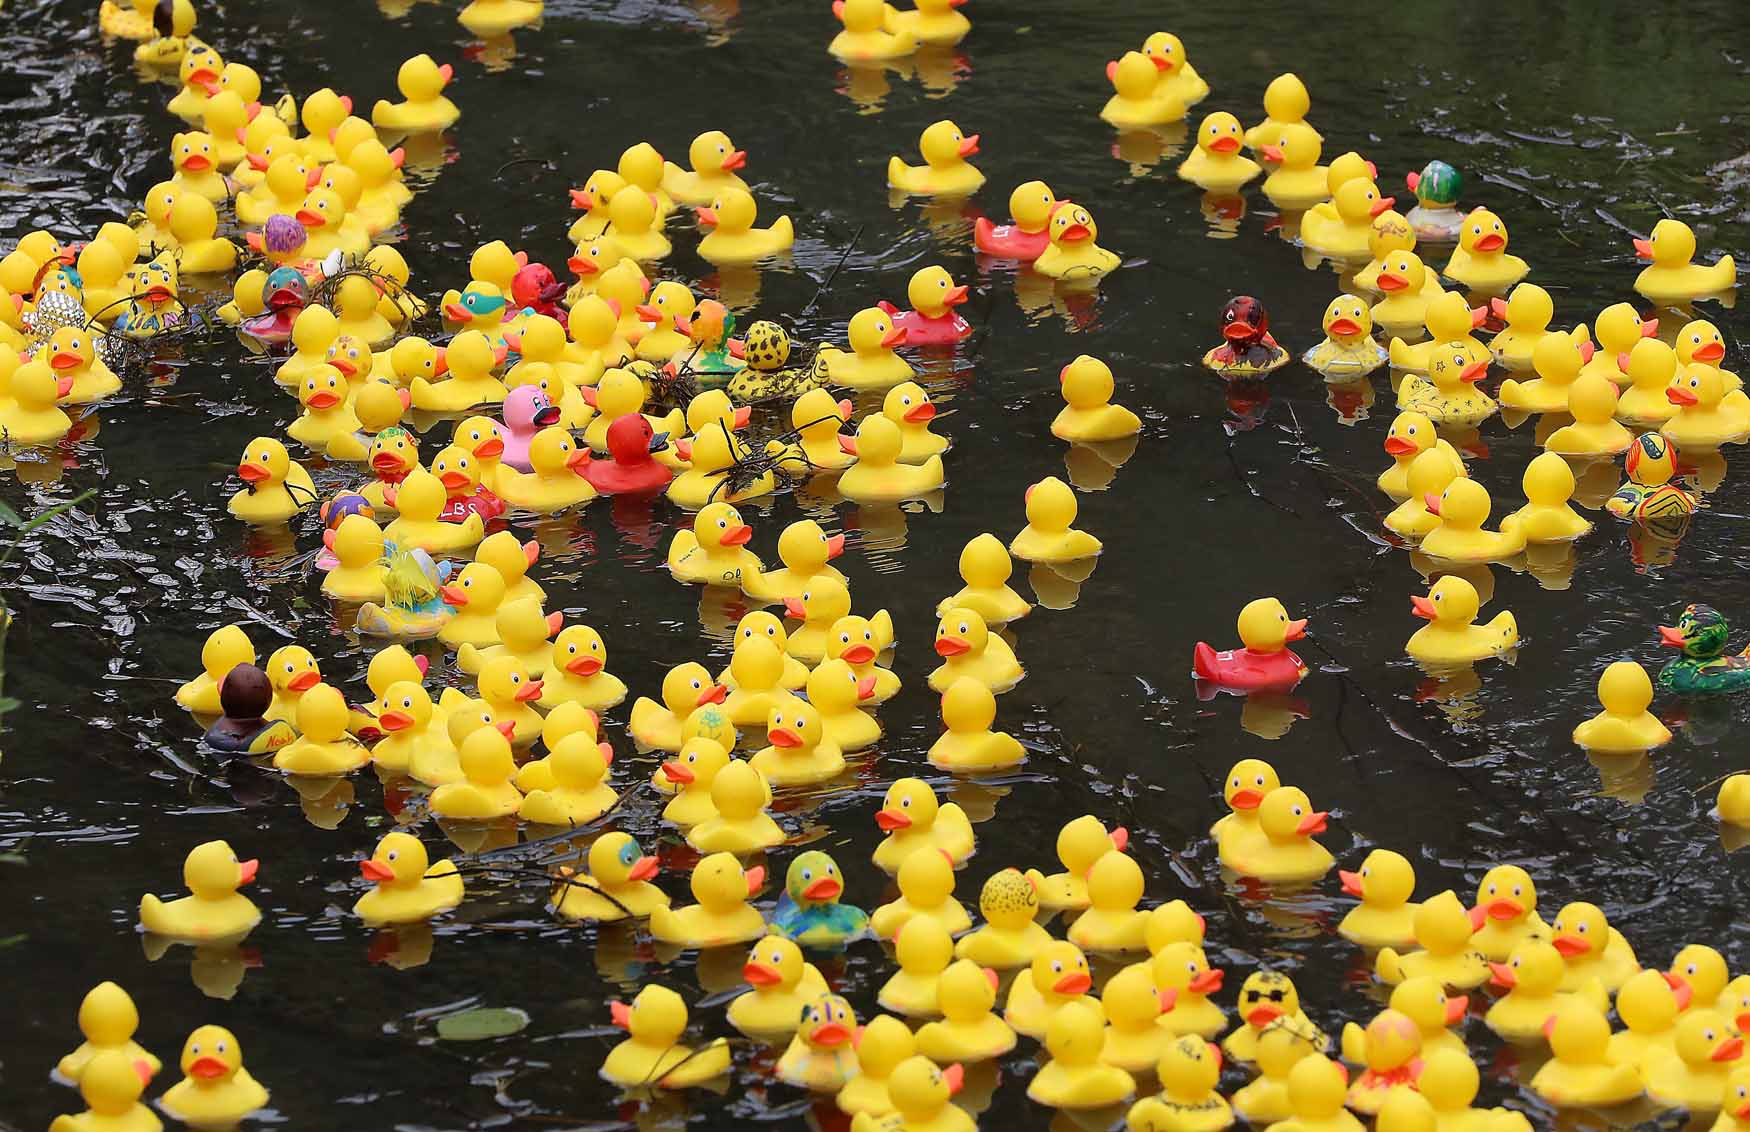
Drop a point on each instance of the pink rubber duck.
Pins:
(527, 410)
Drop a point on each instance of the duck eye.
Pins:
(394, 854)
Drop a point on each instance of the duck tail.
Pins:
(1398, 352)
(469, 659)
(1389, 966)
(882, 624)
(383, 113)
(683, 544)
(784, 230)
(1728, 271)
(1203, 661)
(897, 172)
(1354, 1043)
(1505, 629)
(151, 910)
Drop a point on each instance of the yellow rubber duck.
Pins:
(1702, 969)
(1429, 474)
(715, 166)
(1074, 1077)
(420, 500)
(421, 81)
(1048, 536)
(1173, 922)
(909, 407)
(1446, 1086)
(985, 567)
(969, 650)
(715, 551)
(722, 914)
(740, 795)
(1732, 804)
(1505, 914)
(31, 416)
(1348, 349)
(945, 171)
(111, 1089)
(967, 744)
(224, 649)
(870, 362)
(1527, 310)
(1707, 416)
(712, 454)
(1080, 845)
(1135, 1039)
(561, 724)
(865, 38)
(860, 642)
(923, 948)
(1112, 922)
(1701, 343)
(619, 392)
(651, 1056)
(1447, 319)
(1386, 915)
(193, 157)
(1216, 164)
(1057, 976)
(1089, 414)
(328, 413)
(1649, 1007)
(1580, 1073)
(477, 593)
(406, 887)
(130, 19)
(1594, 431)
(577, 793)
(816, 419)
(756, 681)
(1182, 973)
(507, 688)
(194, 225)
(936, 22)
(557, 482)
(470, 359)
(1280, 1048)
(579, 673)
(807, 552)
(835, 691)
(798, 750)
(1532, 977)
(1296, 180)
(1463, 507)
(1672, 277)
(878, 476)
(782, 983)
(1450, 394)
(1286, 854)
(686, 688)
(1548, 483)
(689, 775)
(1343, 227)
(214, 909)
(881, 1047)
(313, 331)
(1138, 98)
(493, 19)
(919, 1092)
(1452, 635)
(1167, 52)
(636, 228)
(1625, 726)
(108, 1019)
(323, 748)
(1425, 1002)
(1405, 284)
(1618, 328)
(215, 1090)
(1480, 261)
(71, 352)
(1558, 360)
(1286, 102)
(1245, 788)
(617, 886)
(1443, 930)
(968, 1029)
(1009, 936)
(926, 889)
(520, 628)
(733, 239)
(355, 309)
(292, 671)
(1648, 367)
(1317, 1091)
(486, 790)
(1592, 948)
(820, 606)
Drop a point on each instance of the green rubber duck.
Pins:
(809, 911)
(1704, 669)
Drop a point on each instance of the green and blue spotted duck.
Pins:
(809, 911)
(1704, 669)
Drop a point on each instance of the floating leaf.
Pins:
(481, 1024)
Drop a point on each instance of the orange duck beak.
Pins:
(246, 871)
(968, 145)
(1227, 143)
(1381, 205)
(677, 772)
(890, 820)
(1247, 799)
(376, 871)
(1474, 372)
(644, 869)
(826, 888)
(866, 688)
(304, 681)
(1422, 607)
(715, 694)
(1679, 396)
(895, 336)
(529, 691)
(1490, 243)
(1206, 982)
(1571, 946)
(1643, 249)
(1502, 975)
(584, 666)
(1076, 982)
(951, 646)
(760, 975)
(785, 738)
(395, 721)
(1455, 1008)
(1351, 883)
(1312, 823)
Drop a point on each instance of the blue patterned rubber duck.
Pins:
(809, 911)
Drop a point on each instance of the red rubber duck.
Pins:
(1265, 661)
(629, 469)
(1031, 205)
(535, 287)
(931, 321)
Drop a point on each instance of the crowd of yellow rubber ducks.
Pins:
(574, 368)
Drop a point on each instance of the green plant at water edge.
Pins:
(21, 527)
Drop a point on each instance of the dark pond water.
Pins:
(1579, 123)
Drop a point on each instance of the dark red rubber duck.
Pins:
(629, 469)
(1246, 347)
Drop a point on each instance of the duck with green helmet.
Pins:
(1436, 218)
(1704, 669)
(769, 375)
(809, 912)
